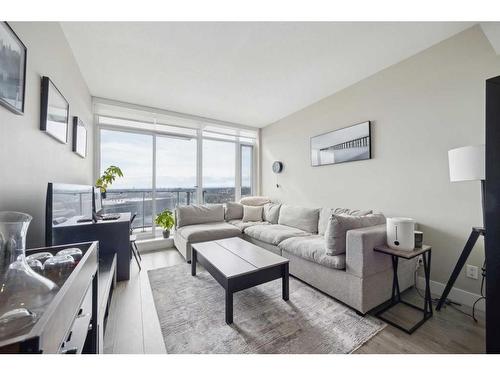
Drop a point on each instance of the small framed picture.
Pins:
(79, 137)
(12, 70)
(54, 112)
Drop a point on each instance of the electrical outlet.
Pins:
(420, 261)
(472, 272)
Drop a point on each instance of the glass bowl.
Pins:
(42, 257)
(58, 268)
(75, 253)
(35, 265)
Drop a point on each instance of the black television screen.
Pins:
(66, 204)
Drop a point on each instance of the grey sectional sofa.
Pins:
(360, 277)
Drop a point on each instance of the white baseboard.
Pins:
(456, 295)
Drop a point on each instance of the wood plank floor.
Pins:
(133, 325)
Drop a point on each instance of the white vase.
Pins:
(23, 293)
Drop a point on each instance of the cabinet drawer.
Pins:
(75, 339)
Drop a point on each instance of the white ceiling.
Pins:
(248, 73)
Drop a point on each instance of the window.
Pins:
(175, 172)
(133, 153)
(219, 182)
(246, 170)
(169, 160)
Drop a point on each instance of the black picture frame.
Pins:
(349, 149)
(54, 111)
(79, 144)
(9, 60)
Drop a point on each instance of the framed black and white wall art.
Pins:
(12, 70)
(342, 145)
(79, 137)
(54, 111)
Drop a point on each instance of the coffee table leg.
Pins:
(193, 262)
(229, 307)
(285, 282)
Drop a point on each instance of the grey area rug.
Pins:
(191, 312)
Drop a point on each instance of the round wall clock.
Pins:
(277, 167)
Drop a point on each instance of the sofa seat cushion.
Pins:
(208, 232)
(242, 225)
(312, 248)
(273, 233)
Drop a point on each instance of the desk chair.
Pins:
(133, 245)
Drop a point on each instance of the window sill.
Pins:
(153, 244)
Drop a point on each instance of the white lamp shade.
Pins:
(467, 163)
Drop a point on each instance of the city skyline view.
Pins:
(175, 161)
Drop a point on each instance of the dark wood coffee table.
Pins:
(237, 265)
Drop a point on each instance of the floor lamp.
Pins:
(466, 164)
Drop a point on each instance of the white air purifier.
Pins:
(400, 233)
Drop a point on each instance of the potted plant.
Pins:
(165, 220)
(107, 178)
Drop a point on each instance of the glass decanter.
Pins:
(23, 292)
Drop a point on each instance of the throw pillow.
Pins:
(302, 218)
(271, 212)
(234, 211)
(351, 212)
(325, 214)
(252, 213)
(338, 225)
(198, 214)
(254, 201)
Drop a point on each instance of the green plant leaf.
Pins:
(165, 219)
(108, 177)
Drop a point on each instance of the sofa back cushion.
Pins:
(234, 211)
(271, 212)
(254, 201)
(199, 214)
(338, 225)
(325, 214)
(302, 218)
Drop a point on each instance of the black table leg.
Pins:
(427, 273)
(458, 267)
(396, 295)
(193, 262)
(285, 283)
(229, 307)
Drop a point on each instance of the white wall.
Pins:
(420, 108)
(29, 158)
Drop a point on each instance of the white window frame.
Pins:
(252, 172)
(198, 125)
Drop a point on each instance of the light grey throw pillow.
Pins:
(325, 214)
(198, 214)
(299, 217)
(271, 212)
(234, 211)
(252, 213)
(254, 201)
(338, 225)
